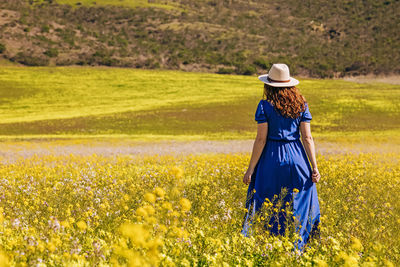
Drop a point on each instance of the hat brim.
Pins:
(291, 82)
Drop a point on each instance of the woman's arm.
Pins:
(308, 143)
(258, 146)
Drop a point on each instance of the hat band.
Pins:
(275, 81)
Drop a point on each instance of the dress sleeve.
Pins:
(306, 117)
(261, 115)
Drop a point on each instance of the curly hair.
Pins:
(288, 101)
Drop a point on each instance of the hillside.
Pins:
(318, 39)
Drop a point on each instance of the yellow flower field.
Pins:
(48, 102)
(187, 211)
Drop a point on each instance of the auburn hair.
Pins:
(288, 101)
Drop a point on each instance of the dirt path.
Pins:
(10, 151)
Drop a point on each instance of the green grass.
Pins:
(88, 101)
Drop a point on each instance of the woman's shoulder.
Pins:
(306, 107)
(266, 103)
(306, 114)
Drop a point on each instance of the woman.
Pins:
(279, 159)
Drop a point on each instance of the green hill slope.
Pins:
(319, 38)
(86, 101)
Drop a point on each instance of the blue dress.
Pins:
(284, 163)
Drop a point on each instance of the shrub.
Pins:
(121, 41)
(262, 63)
(2, 48)
(51, 52)
(225, 71)
(45, 28)
(30, 60)
(246, 70)
(108, 61)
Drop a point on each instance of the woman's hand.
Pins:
(315, 175)
(247, 176)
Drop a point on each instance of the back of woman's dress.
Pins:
(284, 163)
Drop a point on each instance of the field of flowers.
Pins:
(48, 102)
(187, 211)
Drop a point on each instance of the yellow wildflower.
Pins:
(65, 224)
(40, 246)
(159, 192)
(350, 261)
(162, 228)
(141, 212)
(167, 206)
(356, 244)
(174, 214)
(151, 219)
(51, 247)
(135, 232)
(66, 255)
(149, 209)
(150, 197)
(175, 192)
(185, 204)
(81, 225)
(388, 263)
(177, 172)
(4, 261)
(320, 263)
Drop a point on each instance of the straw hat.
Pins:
(278, 76)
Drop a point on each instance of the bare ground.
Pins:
(391, 79)
(11, 151)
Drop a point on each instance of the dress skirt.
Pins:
(284, 164)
